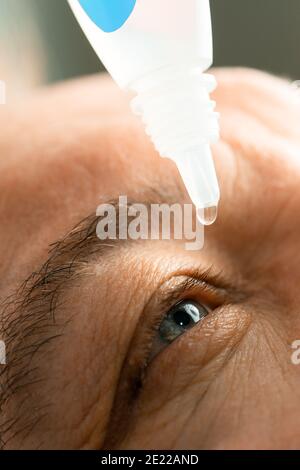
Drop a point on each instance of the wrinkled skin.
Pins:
(227, 383)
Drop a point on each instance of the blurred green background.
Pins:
(258, 33)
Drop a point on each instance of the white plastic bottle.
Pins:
(160, 49)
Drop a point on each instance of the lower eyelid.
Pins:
(195, 358)
(223, 329)
(198, 294)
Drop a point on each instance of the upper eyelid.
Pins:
(175, 289)
(171, 291)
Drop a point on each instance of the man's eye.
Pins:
(180, 318)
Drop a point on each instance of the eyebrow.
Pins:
(28, 316)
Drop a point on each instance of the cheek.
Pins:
(221, 388)
(179, 380)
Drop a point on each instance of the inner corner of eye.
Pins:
(181, 317)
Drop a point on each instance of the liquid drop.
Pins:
(208, 215)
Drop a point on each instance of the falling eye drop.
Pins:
(160, 50)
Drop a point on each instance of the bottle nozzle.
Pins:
(181, 120)
(197, 170)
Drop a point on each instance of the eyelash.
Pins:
(158, 317)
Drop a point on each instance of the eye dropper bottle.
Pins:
(160, 49)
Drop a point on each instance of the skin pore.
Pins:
(82, 369)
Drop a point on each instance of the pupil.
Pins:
(182, 318)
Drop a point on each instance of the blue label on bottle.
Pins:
(109, 15)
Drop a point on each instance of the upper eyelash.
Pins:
(186, 287)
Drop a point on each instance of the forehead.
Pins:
(67, 150)
(82, 146)
(79, 145)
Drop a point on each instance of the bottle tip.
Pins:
(208, 215)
